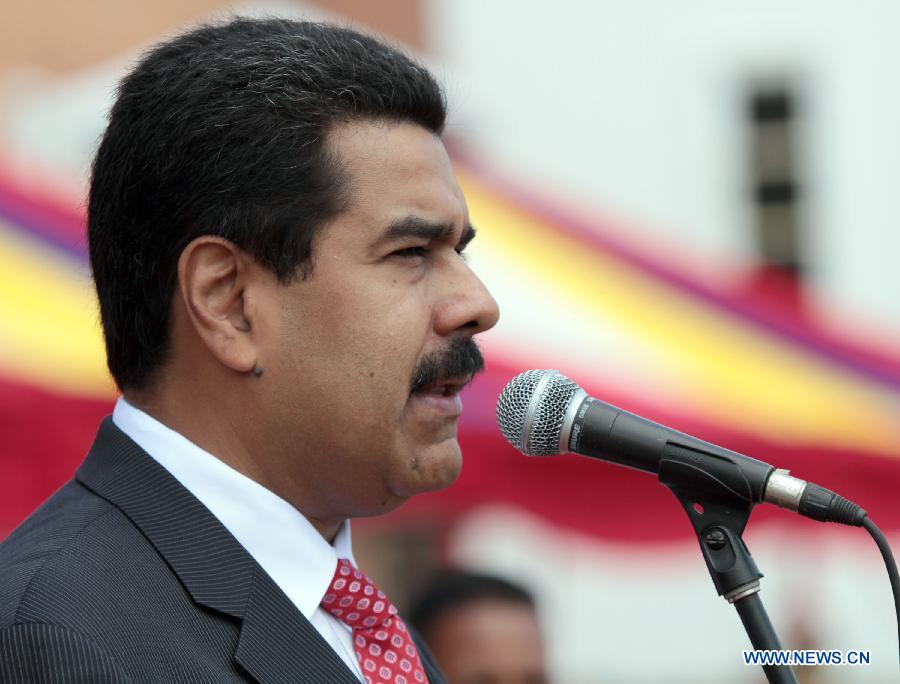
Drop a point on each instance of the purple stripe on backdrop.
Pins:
(874, 367)
(62, 233)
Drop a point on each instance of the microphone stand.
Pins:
(719, 504)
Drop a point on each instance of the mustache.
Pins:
(461, 357)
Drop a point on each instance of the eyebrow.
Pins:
(417, 227)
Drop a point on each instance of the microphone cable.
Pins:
(891, 565)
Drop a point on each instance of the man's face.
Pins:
(489, 641)
(390, 295)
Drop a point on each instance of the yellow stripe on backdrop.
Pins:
(734, 372)
(49, 327)
(730, 370)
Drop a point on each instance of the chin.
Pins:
(431, 469)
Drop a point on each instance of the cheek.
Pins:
(358, 356)
(387, 345)
(374, 320)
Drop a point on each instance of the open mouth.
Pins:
(445, 387)
(442, 396)
(448, 390)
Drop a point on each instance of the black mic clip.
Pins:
(718, 499)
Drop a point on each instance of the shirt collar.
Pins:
(277, 535)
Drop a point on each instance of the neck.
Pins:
(215, 433)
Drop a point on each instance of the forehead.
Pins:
(396, 170)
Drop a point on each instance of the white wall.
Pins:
(635, 109)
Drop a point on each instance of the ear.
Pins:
(214, 275)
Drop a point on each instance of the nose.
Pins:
(466, 306)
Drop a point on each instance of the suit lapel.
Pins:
(432, 671)
(277, 643)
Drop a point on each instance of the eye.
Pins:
(411, 252)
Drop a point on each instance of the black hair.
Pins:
(223, 131)
(451, 589)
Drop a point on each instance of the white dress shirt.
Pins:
(276, 534)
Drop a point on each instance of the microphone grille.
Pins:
(531, 409)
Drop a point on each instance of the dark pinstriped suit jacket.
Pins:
(124, 576)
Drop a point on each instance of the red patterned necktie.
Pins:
(385, 650)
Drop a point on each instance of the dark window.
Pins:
(775, 192)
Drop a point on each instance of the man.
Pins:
(275, 235)
(481, 629)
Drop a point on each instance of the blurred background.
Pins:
(689, 208)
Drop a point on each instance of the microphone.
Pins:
(544, 413)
